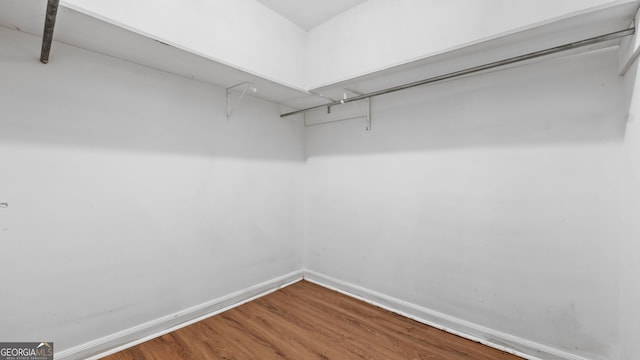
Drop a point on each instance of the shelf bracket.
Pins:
(365, 110)
(239, 89)
(360, 109)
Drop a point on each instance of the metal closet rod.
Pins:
(475, 69)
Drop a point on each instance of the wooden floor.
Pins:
(306, 321)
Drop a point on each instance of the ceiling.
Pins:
(308, 14)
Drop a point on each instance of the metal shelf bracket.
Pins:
(239, 89)
(360, 109)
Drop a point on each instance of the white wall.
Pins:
(130, 194)
(495, 199)
(379, 34)
(241, 33)
(630, 249)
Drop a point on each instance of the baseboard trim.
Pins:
(133, 336)
(113, 343)
(489, 337)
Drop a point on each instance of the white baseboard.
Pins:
(130, 337)
(127, 338)
(493, 338)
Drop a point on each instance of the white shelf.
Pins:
(83, 30)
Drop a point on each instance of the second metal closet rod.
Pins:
(509, 61)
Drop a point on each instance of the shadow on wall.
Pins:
(630, 288)
(86, 99)
(629, 79)
(575, 99)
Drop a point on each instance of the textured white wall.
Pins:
(130, 194)
(382, 33)
(495, 199)
(629, 310)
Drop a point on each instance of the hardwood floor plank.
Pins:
(307, 321)
(343, 310)
(388, 325)
(320, 325)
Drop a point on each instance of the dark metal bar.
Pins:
(49, 24)
(475, 69)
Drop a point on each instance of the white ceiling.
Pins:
(308, 14)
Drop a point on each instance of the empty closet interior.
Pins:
(474, 165)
